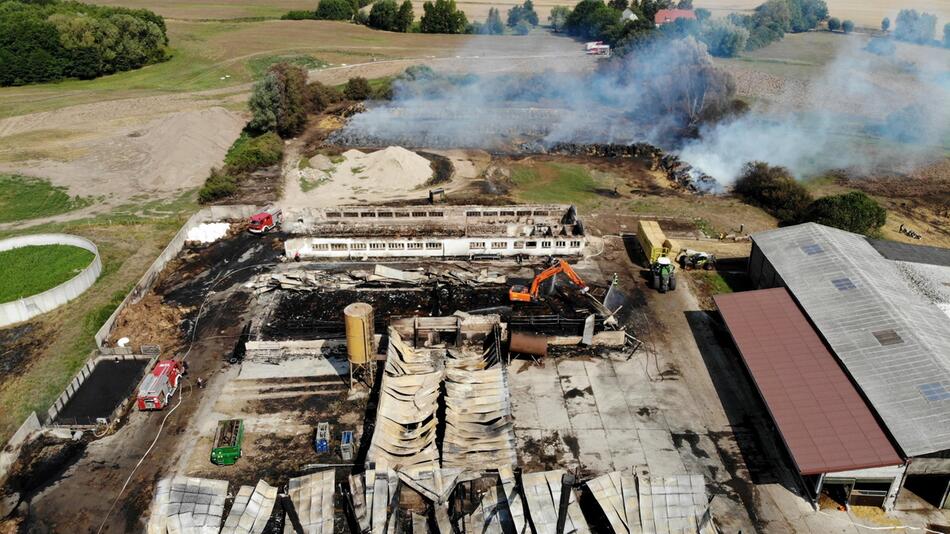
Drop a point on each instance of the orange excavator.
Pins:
(523, 294)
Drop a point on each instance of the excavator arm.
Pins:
(523, 294)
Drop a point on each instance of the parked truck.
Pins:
(265, 221)
(653, 241)
(159, 385)
(659, 252)
(228, 439)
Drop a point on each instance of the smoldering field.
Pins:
(861, 112)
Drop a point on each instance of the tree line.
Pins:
(51, 40)
(769, 22)
(439, 16)
(776, 191)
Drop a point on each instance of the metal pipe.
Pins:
(567, 486)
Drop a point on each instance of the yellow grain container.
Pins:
(654, 241)
(358, 319)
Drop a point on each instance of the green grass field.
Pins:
(554, 182)
(30, 270)
(23, 198)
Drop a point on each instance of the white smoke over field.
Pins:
(638, 98)
(864, 113)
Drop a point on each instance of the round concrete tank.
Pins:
(358, 319)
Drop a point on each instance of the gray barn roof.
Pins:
(894, 250)
(893, 343)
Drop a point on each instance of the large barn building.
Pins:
(848, 342)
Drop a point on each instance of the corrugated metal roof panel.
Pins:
(889, 375)
(823, 420)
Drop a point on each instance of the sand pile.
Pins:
(391, 170)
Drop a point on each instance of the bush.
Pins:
(774, 190)
(252, 153)
(834, 24)
(50, 40)
(946, 35)
(218, 185)
(847, 26)
(299, 15)
(885, 24)
(523, 28)
(335, 10)
(357, 88)
(319, 96)
(855, 212)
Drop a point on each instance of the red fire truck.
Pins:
(265, 221)
(159, 385)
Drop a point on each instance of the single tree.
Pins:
(279, 101)
(382, 16)
(405, 16)
(847, 26)
(702, 13)
(684, 4)
(834, 24)
(493, 24)
(558, 17)
(442, 16)
(357, 88)
(946, 35)
(885, 24)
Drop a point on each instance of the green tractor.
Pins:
(663, 275)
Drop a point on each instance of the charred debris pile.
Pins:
(678, 171)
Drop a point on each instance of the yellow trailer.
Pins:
(653, 241)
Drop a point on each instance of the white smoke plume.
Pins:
(635, 99)
(865, 113)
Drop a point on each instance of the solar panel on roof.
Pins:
(887, 337)
(812, 249)
(843, 283)
(934, 391)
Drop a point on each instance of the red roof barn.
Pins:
(665, 16)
